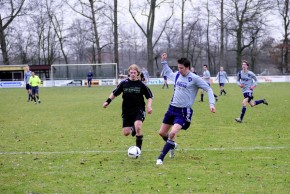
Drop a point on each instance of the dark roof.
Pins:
(39, 67)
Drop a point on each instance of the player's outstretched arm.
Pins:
(149, 108)
(163, 57)
(109, 100)
(212, 108)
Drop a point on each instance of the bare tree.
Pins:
(242, 13)
(79, 39)
(89, 11)
(182, 26)
(8, 12)
(45, 37)
(207, 37)
(116, 39)
(57, 22)
(222, 33)
(113, 17)
(148, 32)
(284, 11)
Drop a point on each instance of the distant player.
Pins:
(179, 112)
(164, 79)
(90, 77)
(206, 78)
(222, 77)
(144, 75)
(27, 76)
(133, 106)
(35, 81)
(247, 81)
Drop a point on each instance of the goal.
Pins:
(76, 73)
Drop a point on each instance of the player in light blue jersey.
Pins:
(206, 78)
(27, 76)
(178, 115)
(222, 77)
(247, 81)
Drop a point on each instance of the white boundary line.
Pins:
(154, 150)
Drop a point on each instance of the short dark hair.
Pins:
(205, 66)
(247, 63)
(184, 61)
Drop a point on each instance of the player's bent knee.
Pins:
(162, 134)
(172, 135)
(126, 131)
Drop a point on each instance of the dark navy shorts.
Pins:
(34, 90)
(181, 116)
(28, 87)
(130, 118)
(222, 84)
(248, 95)
(165, 77)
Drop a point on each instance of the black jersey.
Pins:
(133, 92)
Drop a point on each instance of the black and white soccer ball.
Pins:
(134, 152)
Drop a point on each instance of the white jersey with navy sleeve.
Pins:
(186, 87)
(206, 76)
(222, 77)
(27, 76)
(247, 79)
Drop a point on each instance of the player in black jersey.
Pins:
(133, 106)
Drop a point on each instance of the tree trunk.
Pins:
(99, 50)
(286, 34)
(116, 44)
(207, 39)
(182, 28)
(239, 47)
(150, 28)
(150, 56)
(222, 35)
(3, 45)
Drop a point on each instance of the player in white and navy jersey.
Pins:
(179, 113)
(247, 81)
(27, 76)
(222, 77)
(206, 78)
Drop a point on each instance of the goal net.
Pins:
(76, 74)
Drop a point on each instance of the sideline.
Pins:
(154, 150)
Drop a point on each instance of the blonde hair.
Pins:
(134, 67)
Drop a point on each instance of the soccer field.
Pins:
(70, 144)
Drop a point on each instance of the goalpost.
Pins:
(76, 74)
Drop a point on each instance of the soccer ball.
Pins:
(134, 152)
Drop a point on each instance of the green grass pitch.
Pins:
(70, 144)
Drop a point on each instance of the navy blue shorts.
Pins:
(181, 116)
(34, 90)
(248, 95)
(28, 87)
(222, 84)
(130, 118)
(165, 77)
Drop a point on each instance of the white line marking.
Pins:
(154, 150)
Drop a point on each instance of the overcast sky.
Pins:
(275, 22)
